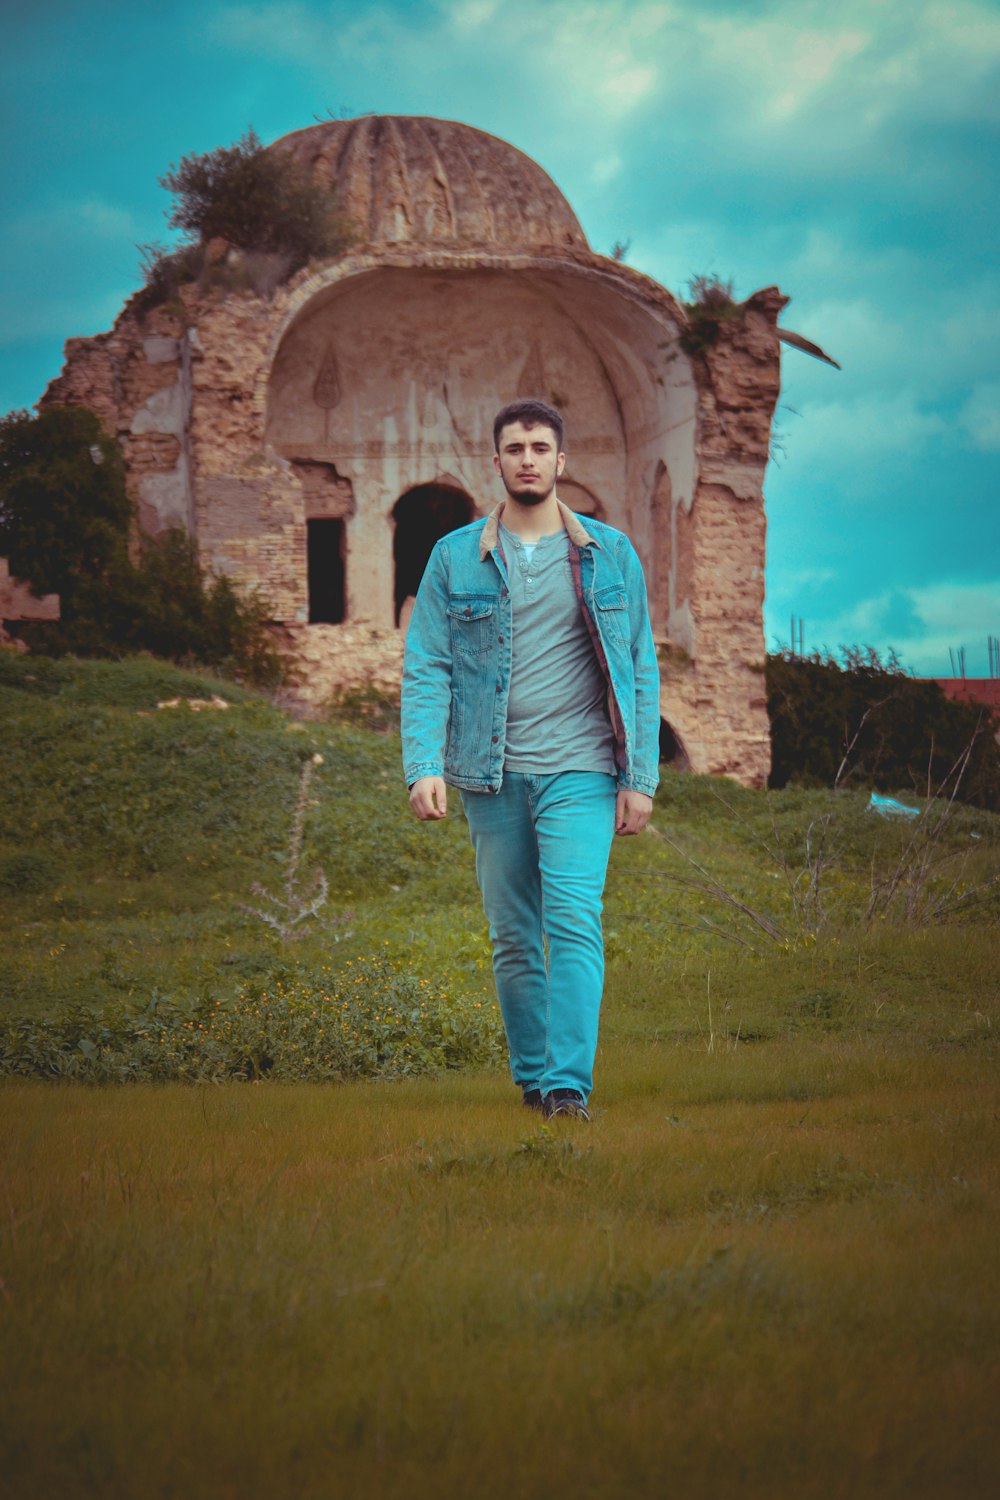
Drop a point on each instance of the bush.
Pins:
(65, 524)
(867, 723)
(710, 303)
(65, 515)
(28, 872)
(375, 1019)
(177, 611)
(267, 209)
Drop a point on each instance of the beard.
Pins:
(529, 497)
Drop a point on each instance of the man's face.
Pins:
(528, 462)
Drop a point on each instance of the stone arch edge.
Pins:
(623, 280)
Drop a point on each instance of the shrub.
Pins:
(263, 206)
(65, 515)
(710, 303)
(896, 732)
(28, 871)
(176, 610)
(374, 1019)
(66, 521)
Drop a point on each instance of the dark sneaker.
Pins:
(565, 1102)
(531, 1098)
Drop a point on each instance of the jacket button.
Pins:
(495, 738)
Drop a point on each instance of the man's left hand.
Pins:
(632, 811)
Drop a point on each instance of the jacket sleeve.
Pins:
(646, 752)
(426, 693)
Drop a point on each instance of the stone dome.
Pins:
(417, 180)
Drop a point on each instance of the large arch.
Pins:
(395, 371)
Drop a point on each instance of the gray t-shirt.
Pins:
(557, 714)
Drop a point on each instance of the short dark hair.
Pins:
(530, 413)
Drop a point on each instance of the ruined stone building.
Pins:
(317, 442)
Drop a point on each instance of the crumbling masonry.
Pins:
(317, 443)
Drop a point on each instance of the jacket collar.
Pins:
(575, 529)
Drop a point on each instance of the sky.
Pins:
(846, 153)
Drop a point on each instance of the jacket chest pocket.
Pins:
(611, 609)
(472, 624)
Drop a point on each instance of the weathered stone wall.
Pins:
(326, 661)
(242, 418)
(718, 701)
(137, 379)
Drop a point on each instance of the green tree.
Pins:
(65, 515)
(66, 526)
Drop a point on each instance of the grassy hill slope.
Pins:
(132, 834)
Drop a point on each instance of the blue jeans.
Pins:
(542, 846)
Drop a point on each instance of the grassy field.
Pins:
(768, 1267)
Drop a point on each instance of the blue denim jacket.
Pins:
(456, 669)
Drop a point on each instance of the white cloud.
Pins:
(835, 436)
(599, 55)
(800, 82)
(796, 579)
(289, 31)
(470, 15)
(611, 54)
(843, 74)
(781, 61)
(957, 605)
(945, 617)
(980, 417)
(625, 83)
(606, 168)
(934, 619)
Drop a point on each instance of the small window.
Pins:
(325, 542)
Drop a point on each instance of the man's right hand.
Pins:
(429, 798)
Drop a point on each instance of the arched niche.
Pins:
(396, 372)
(672, 751)
(421, 517)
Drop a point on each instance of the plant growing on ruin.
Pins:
(178, 609)
(709, 304)
(265, 213)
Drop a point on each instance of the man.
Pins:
(530, 683)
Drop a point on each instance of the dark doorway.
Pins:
(672, 752)
(325, 541)
(423, 516)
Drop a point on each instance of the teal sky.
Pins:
(845, 153)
